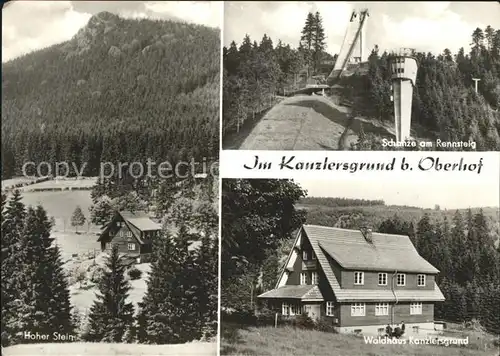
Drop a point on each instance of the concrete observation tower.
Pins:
(403, 66)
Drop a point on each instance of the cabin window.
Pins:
(305, 256)
(421, 280)
(131, 247)
(330, 309)
(314, 278)
(303, 278)
(359, 278)
(382, 279)
(358, 309)
(290, 309)
(415, 308)
(401, 279)
(382, 309)
(129, 233)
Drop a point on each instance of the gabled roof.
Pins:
(351, 250)
(140, 220)
(303, 292)
(386, 252)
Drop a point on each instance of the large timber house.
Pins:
(357, 280)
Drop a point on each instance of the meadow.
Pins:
(270, 341)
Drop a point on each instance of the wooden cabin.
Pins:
(133, 232)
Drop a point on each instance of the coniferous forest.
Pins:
(445, 104)
(121, 90)
(180, 304)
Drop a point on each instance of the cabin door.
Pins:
(313, 311)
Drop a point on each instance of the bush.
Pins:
(303, 321)
(325, 326)
(134, 273)
(241, 317)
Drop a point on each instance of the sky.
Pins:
(425, 194)
(424, 26)
(31, 25)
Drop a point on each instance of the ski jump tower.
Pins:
(353, 49)
(403, 66)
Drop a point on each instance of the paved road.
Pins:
(299, 123)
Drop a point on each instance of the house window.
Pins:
(314, 278)
(401, 279)
(303, 278)
(304, 255)
(131, 247)
(313, 255)
(121, 233)
(382, 279)
(421, 280)
(129, 233)
(382, 309)
(415, 308)
(330, 309)
(290, 309)
(359, 278)
(358, 309)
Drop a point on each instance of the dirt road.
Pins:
(306, 122)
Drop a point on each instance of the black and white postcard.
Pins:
(110, 146)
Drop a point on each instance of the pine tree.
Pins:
(307, 39)
(168, 312)
(207, 272)
(111, 316)
(319, 43)
(13, 215)
(42, 304)
(77, 219)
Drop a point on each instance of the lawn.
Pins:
(103, 349)
(289, 341)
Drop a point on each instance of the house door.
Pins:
(313, 311)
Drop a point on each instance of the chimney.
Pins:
(367, 233)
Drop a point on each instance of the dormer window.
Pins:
(359, 278)
(305, 255)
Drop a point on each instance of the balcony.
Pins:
(309, 265)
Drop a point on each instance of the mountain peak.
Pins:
(102, 18)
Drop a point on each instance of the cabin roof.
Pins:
(303, 292)
(386, 252)
(140, 220)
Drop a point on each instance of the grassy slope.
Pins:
(103, 349)
(288, 341)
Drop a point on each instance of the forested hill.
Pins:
(119, 90)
